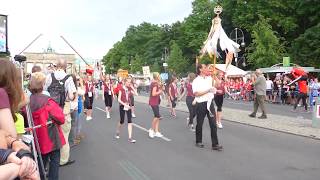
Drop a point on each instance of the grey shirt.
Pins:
(260, 85)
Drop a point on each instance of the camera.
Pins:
(20, 58)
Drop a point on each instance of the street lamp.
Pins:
(164, 59)
(239, 37)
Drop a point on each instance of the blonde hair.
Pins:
(156, 75)
(37, 82)
(192, 76)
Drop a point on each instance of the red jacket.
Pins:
(44, 109)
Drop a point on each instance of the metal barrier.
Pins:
(316, 113)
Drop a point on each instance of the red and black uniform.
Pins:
(302, 85)
(89, 86)
(189, 99)
(107, 94)
(125, 96)
(154, 101)
(174, 93)
(218, 98)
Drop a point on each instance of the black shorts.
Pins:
(132, 101)
(174, 102)
(269, 92)
(107, 99)
(88, 101)
(218, 99)
(122, 114)
(156, 111)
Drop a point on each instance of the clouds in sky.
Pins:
(91, 26)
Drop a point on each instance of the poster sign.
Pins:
(286, 61)
(146, 71)
(3, 34)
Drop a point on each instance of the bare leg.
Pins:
(157, 122)
(219, 117)
(118, 128)
(130, 130)
(153, 126)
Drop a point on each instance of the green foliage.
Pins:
(305, 49)
(265, 49)
(288, 26)
(176, 62)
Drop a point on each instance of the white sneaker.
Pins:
(132, 140)
(158, 134)
(117, 136)
(89, 118)
(151, 133)
(133, 115)
(108, 116)
(219, 125)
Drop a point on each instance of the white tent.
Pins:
(232, 70)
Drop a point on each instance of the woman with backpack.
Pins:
(124, 98)
(89, 96)
(47, 113)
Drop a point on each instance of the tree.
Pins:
(265, 49)
(137, 64)
(304, 49)
(176, 61)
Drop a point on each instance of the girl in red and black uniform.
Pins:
(218, 98)
(124, 98)
(89, 86)
(108, 94)
(189, 100)
(155, 90)
(173, 94)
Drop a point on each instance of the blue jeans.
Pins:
(53, 158)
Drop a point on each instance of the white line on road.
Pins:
(139, 127)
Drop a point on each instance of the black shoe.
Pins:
(217, 148)
(199, 145)
(68, 163)
(263, 117)
(252, 115)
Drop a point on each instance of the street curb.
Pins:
(266, 128)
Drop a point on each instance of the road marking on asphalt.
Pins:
(139, 127)
(133, 171)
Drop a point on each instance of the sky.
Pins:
(90, 26)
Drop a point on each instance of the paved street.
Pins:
(249, 152)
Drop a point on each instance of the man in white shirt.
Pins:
(269, 89)
(70, 90)
(202, 86)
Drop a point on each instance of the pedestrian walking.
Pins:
(202, 86)
(134, 86)
(219, 96)
(108, 94)
(190, 100)
(173, 94)
(124, 100)
(89, 97)
(156, 88)
(259, 83)
(300, 75)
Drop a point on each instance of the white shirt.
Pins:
(269, 84)
(201, 84)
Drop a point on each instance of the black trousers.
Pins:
(202, 112)
(302, 96)
(191, 108)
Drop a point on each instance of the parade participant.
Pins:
(45, 109)
(218, 98)
(108, 94)
(259, 83)
(124, 99)
(156, 89)
(301, 76)
(189, 100)
(173, 94)
(202, 86)
(81, 92)
(89, 96)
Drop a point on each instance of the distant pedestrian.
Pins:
(89, 97)
(202, 86)
(173, 94)
(259, 83)
(108, 94)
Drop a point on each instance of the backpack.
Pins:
(57, 90)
